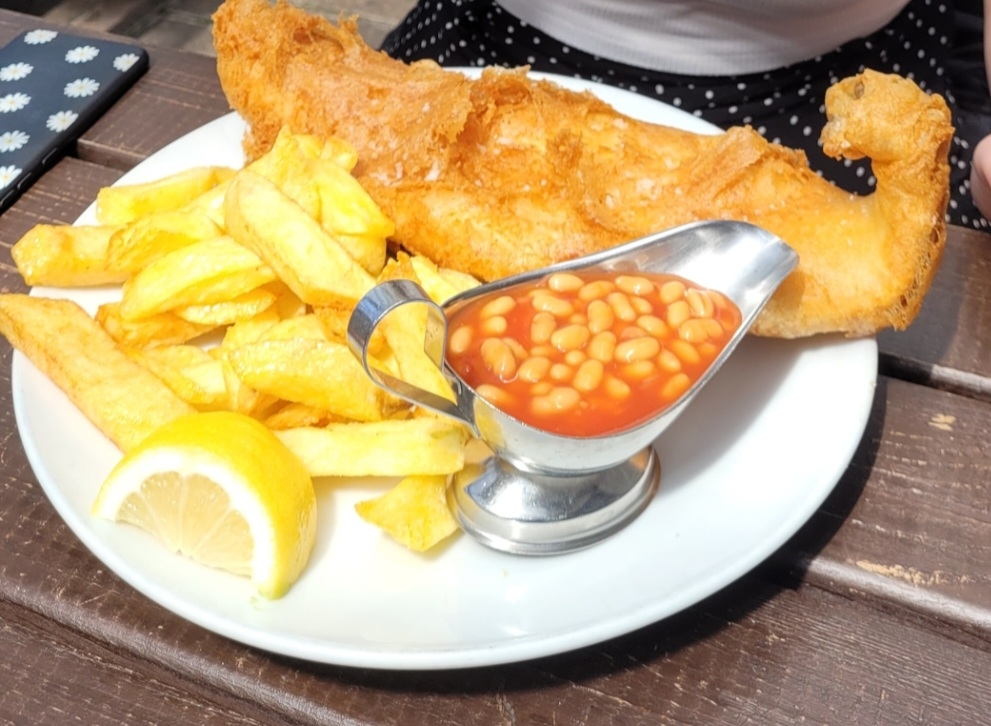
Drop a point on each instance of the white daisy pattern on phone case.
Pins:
(53, 85)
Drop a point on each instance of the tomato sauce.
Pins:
(582, 354)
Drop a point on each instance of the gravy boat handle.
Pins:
(369, 313)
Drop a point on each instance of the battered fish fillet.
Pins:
(503, 174)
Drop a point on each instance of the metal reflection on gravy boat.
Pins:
(543, 492)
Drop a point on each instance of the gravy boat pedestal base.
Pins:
(536, 513)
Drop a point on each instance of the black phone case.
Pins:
(53, 85)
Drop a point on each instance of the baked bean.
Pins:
(542, 327)
(685, 351)
(600, 316)
(654, 326)
(602, 346)
(559, 399)
(699, 330)
(616, 388)
(668, 362)
(533, 370)
(499, 358)
(564, 282)
(672, 291)
(633, 331)
(460, 339)
(692, 331)
(575, 358)
(541, 389)
(642, 305)
(495, 325)
(713, 327)
(675, 387)
(621, 307)
(546, 351)
(570, 337)
(637, 349)
(708, 350)
(578, 319)
(516, 346)
(638, 370)
(498, 397)
(678, 312)
(497, 306)
(700, 303)
(719, 301)
(634, 285)
(595, 290)
(554, 305)
(588, 376)
(561, 372)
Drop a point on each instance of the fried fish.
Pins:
(505, 173)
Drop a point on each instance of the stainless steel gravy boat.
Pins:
(541, 492)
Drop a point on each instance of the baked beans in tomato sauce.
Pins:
(589, 354)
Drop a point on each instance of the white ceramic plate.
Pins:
(743, 469)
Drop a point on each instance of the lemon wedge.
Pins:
(222, 489)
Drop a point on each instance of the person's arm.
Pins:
(980, 168)
(987, 46)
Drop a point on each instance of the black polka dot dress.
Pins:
(785, 105)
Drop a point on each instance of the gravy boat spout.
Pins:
(545, 492)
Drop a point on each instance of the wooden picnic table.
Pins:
(877, 611)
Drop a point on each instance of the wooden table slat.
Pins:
(910, 522)
(53, 676)
(878, 611)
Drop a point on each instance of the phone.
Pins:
(53, 86)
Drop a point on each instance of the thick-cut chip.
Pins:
(63, 256)
(125, 203)
(230, 311)
(461, 280)
(327, 192)
(415, 512)
(383, 448)
(210, 203)
(155, 330)
(293, 244)
(334, 319)
(278, 254)
(148, 238)
(242, 397)
(306, 326)
(189, 372)
(72, 350)
(405, 330)
(437, 282)
(204, 273)
(318, 373)
(292, 415)
(285, 165)
(350, 215)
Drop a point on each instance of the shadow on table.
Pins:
(655, 643)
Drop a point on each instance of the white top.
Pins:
(707, 37)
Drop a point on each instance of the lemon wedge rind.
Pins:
(220, 488)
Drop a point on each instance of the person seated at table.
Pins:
(764, 63)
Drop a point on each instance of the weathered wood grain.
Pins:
(948, 346)
(180, 87)
(909, 524)
(51, 675)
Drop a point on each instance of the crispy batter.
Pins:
(502, 174)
